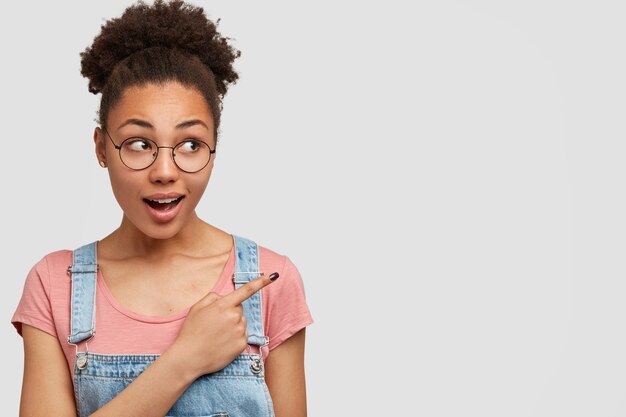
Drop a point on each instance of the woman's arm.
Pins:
(47, 388)
(284, 376)
(214, 333)
(154, 391)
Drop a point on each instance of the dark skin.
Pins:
(149, 254)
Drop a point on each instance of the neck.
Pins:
(129, 241)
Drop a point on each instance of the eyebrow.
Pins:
(147, 125)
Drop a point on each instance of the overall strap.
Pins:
(83, 295)
(247, 269)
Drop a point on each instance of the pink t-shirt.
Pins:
(45, 304)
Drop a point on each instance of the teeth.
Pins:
(167, 200)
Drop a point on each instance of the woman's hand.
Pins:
(212, 335)
(214, 331)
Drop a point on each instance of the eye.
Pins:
(137, 145)
(190, 146)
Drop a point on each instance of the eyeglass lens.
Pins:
(190, 155)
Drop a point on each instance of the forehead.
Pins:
(162, 105)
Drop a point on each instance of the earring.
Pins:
(102, 164)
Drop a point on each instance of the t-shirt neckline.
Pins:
(226, 271)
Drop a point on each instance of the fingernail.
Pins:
(273, 276)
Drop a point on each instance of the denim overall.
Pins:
(238, 390)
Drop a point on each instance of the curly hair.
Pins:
(154, 44)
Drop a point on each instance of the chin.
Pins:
(153, 229)
(162, 232)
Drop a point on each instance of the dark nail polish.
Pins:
(273, 276)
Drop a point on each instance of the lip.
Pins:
(164, 216)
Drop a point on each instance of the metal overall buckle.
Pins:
(81, 357)
(256, 366)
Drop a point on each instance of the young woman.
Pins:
(167, 315)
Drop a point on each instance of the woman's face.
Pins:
(154, 112)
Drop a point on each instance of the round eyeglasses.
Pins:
(137, 153)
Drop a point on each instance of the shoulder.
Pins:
(45, 293)
(273, 261)
(270, 259)
(289, 276)
(285, 308)
(61, 255)
(51, 268)
(52, 260)
(57, 261)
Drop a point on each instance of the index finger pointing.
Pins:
(247, 290)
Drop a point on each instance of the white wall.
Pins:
(447, 176)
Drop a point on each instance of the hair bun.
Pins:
(171, 25)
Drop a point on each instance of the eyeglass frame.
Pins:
(119, 149)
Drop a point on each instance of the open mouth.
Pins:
(165, 204)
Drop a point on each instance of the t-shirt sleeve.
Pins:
(287, 309)
(34, 307)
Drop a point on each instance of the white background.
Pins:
(447, 176)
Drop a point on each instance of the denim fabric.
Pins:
(238, 390)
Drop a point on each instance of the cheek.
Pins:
(198, 187)
(122, 187)
(198, 184)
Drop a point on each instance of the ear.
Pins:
(100, 142)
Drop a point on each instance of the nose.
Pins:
(163, 169)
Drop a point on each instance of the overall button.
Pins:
(82, 361)
(256, 366)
